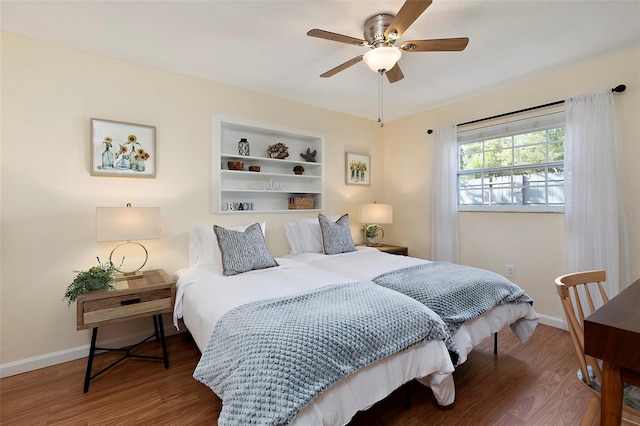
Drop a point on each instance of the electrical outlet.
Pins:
(511, 271)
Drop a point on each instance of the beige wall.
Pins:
(534, 243)
(49, 199)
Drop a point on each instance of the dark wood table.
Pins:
(612, 334)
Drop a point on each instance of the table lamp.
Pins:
(127, 224)
(371, 216)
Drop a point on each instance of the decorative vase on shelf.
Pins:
(243, 147)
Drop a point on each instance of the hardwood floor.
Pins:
(525, 384)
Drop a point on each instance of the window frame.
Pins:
(510, 127)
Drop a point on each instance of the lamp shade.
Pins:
(376, 213)
(127, 223)
(382, 58)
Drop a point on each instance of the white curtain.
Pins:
(444, 195)
(595, 220)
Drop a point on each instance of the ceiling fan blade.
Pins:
(436, 45)
(327, 35)
(395, 74)
(408, 13)
(342, 67)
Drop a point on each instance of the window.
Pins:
(514, 166)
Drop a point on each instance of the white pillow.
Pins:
(291, 232)
(203, 244)
(307, 237)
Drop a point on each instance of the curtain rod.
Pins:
(618, 89)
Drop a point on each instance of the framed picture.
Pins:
(122, 149)
(357, 169)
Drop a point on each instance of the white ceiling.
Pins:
(262, 45)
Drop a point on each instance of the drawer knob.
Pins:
(130, 301)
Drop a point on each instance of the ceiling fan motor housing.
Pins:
(375, 27)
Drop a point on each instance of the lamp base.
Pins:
(375, 239)
(129, 275)
(126, 276)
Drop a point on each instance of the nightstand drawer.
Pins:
(126, 305)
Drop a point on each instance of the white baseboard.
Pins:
(53, 358)
(553, 321)
(71, 354)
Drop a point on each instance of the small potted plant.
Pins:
(97, 277)
(298, 169)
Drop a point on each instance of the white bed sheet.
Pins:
(367, 263)
(203, 296)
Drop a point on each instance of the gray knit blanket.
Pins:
(266, 360)
(456, 293)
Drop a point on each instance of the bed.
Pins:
(206, 299)
(307, 244)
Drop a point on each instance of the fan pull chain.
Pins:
(380, 99)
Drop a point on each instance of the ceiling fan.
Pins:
(381, 31)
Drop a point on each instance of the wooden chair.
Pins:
(576, 293)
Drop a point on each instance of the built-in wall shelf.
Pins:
(270, 189)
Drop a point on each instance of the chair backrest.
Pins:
(577, 295)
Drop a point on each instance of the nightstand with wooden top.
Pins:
(151, 293)
(387, 248)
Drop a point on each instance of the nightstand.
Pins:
(150, 294)
(387, 248)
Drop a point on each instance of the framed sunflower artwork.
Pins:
(357, 169)
(122, 149)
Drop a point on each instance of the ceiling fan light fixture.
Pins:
(382, 58)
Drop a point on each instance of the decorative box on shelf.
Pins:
(300, 203)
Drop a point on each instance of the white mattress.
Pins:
(367, 263)
(203, 296)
